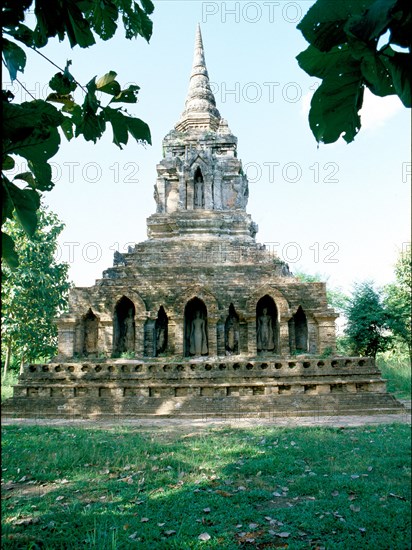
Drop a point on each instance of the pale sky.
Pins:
(341, 210)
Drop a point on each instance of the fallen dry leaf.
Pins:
(170, 533)
(128, 479)
(144, 520)
(26, 521)
(221, 493)
(204, 536)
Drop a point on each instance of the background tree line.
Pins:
(376, 319)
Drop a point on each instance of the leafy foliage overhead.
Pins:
(32, 129)
(346, 54)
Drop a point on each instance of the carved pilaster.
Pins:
(251, 336)
(283, 338)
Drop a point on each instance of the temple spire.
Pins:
(200, 108)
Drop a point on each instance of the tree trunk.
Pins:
(21, 365)
(7, 362)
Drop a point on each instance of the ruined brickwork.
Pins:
(199, 317)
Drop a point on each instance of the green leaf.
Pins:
(40, 145)
(119, 126)
(335, 105)
(27, 177)
(13, 11)
(42, 172)
(103, 18)
(136, 22)
(376, 75)
(74, 109)
(106, 79)
(8, 251)
(63, 19)
(78, 28)
(25, 203)
(322, 64)
(7, 204)
(401, 25)
(90, 101)
(91, 126)
(146, 25)
(8, 163)
(20, 32)
(399, 66)
(127, 96)
(369, 26)
(20, 120)
(67, 127)
(62, 83)
(147, 6)
(122, 125)
(14, 58)
(139, 130)
(65, 99)
(323, 26)
(108, 84)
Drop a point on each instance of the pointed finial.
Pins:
(200, 107)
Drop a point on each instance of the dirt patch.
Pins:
(196, 425)
(28, 489)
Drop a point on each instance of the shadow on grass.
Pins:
(246, 488)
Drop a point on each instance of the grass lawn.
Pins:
(261, 487)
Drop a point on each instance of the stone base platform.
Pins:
(255, 387)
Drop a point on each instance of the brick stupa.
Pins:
(199, 319)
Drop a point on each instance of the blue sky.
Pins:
(341, 210)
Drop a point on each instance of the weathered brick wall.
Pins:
(154, 275)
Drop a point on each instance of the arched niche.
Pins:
(124, 326)
(195, 328)
(300, 330)
(232, 332)
(90, 324)
(160, 332)
(198, 189)
(282, 305)
(267, 326)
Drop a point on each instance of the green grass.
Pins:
(397, 370)
(67, 487)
